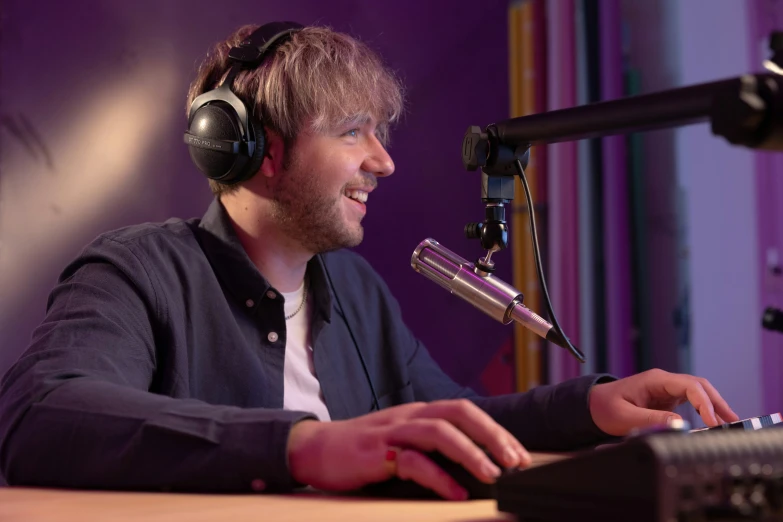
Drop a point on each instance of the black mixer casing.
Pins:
(661, 477)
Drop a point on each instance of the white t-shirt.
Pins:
(301, 389)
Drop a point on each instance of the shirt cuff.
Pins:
(592, 434)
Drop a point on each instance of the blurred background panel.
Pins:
(661, 249)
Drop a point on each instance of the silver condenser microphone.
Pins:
(486, 292)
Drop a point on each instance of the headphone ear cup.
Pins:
(255, 161)
(216, 121)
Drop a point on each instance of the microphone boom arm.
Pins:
(746, 111)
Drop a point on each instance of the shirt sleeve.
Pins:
(553, 417)
(75, 410)
(546, 418)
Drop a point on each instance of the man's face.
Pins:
(321, 196)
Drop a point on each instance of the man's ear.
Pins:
(272, 163)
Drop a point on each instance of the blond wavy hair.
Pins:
(319, 77)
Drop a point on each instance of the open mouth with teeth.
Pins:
(359, 197)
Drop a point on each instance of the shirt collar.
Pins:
(237, 273)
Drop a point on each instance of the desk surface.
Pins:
(51, 505)
(38, 505)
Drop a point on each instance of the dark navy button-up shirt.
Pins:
(154, 367)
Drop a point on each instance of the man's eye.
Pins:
(353, 133)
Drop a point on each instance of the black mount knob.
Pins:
(475, 148)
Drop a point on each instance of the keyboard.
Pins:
(752, 423)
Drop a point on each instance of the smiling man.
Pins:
(248, 350)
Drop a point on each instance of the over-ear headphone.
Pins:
(226, 140)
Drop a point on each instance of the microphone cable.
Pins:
(537, 255)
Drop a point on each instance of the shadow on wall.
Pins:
(97, 170)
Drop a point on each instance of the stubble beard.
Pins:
(305, 212)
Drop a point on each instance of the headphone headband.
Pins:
(253, 49)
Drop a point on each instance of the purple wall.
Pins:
(765, 18)
(719, 184)
(102, 86)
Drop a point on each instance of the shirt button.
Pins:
(249, 303)
(271, 295)
(272, 337)
(258, 485)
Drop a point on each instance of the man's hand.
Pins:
(647, 399)
(346, 455)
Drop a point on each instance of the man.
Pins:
(247, 351)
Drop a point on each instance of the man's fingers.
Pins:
(412, 465)
(442, 436)
(722, 408)
(690, 388)
(632, 416)
(701, 401)
(615, 405)
(482, 429)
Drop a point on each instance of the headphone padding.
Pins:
(254, 163)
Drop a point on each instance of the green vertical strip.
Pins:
(639, 257)
(586, 205)
(593, 54)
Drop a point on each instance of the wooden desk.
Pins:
(52, 505)
(39, 505)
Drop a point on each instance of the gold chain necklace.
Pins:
(301, 305)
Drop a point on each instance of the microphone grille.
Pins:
(438, 262)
